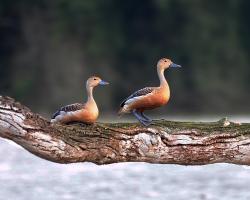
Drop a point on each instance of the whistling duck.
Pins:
(78, 112)
(150, 97)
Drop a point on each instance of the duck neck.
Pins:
(162, 78)
(90, 94)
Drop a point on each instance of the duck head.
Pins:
(166, 63)
(95, 81)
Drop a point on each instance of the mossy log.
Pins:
(165, 142)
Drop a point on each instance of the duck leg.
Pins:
(140, 118)
(146, 117)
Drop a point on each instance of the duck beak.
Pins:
(103, 83)
(174, 65)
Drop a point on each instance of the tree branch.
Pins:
(167, 142)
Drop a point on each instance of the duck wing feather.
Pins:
(69, 108)
(138, 93)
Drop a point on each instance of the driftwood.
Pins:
(165, 142)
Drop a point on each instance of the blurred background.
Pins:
(49, 48)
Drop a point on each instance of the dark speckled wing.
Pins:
(141, 92)
(68, 108)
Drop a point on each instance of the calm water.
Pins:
(24, 176)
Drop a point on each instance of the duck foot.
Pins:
(146, 117)
(141, 119)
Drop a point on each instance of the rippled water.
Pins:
(24, 176)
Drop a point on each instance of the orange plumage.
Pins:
(158, 97)
(150, 97)
(86, 113)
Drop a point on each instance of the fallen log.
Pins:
(164, 142)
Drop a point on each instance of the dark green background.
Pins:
(49, 48)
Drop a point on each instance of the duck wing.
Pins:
(69, 108)
(138, 93)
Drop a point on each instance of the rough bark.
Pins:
(184, 143)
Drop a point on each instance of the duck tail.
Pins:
(123, 110)
(120, 112)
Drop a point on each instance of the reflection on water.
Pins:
(24, 176)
